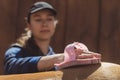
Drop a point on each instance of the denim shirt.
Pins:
(17, 60)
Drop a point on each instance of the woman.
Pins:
(32, 52)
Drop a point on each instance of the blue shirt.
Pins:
(17, 60)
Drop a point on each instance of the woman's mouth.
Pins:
(45, 31)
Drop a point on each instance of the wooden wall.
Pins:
(95, 23)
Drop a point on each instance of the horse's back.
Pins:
(103, 71)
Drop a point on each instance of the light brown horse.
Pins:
(103, 71)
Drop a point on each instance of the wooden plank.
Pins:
(8, 13)
(82, 22)
(23, 9)
(59, 37)
(50, 75)
(110, 31)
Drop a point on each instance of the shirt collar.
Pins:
(51, 52)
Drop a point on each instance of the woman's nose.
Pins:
(45, 23)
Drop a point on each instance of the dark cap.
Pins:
(40, 6)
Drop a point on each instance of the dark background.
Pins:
(96, 23)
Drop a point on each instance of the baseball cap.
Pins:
(40, 6)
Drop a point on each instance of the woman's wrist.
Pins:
(60, 58)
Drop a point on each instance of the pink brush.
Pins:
(72, 50)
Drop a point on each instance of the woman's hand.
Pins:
(88, 55)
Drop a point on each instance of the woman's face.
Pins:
(42, 24)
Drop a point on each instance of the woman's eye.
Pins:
(50, 19)
(38, 20)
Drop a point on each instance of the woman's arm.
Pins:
(15, 63)
(47, 62)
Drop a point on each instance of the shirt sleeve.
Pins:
(17, 65)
